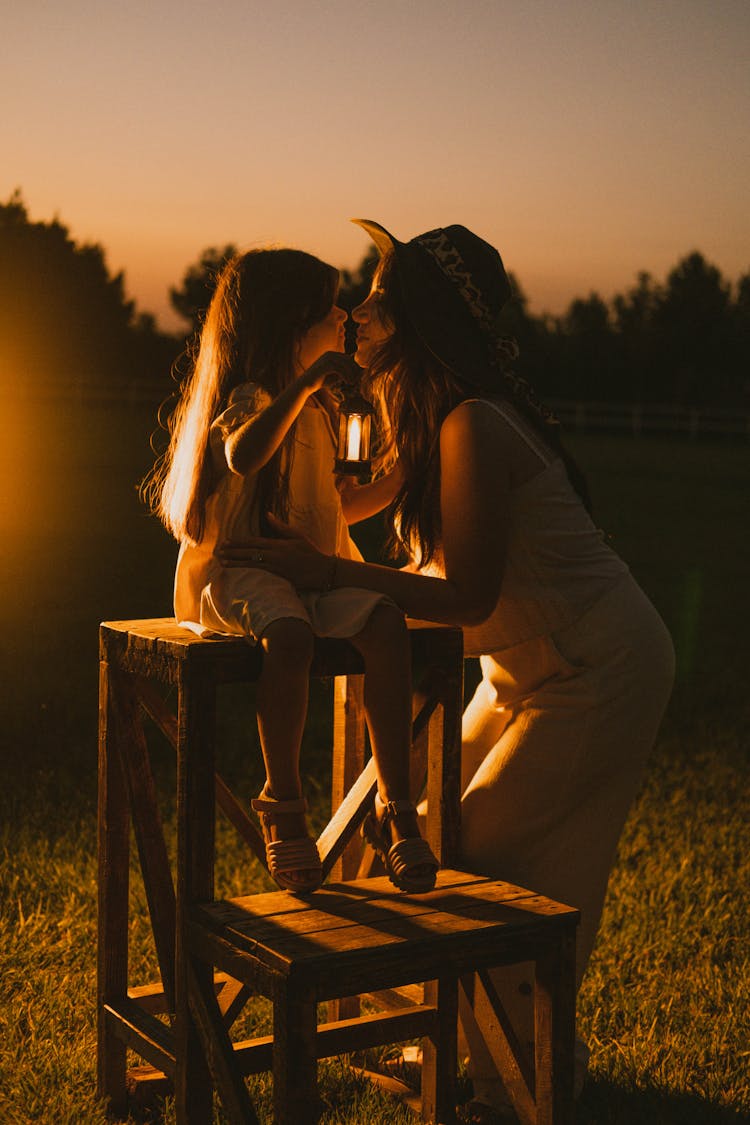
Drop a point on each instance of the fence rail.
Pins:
(635, 419)
(652, 418)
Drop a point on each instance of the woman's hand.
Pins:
(291, 555)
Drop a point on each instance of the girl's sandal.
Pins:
(409, 863)
(284, 857)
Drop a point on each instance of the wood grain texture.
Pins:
(113, 830)
(149, 833)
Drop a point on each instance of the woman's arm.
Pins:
(253, 444)
(359, 502)
(474, 494)
(474, 497)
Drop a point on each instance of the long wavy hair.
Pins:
(414, 392)
(263, 304)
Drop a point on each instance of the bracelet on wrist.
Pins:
(330, 580)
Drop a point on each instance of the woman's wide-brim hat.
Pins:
(454, 286)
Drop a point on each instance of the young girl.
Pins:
(253, 434)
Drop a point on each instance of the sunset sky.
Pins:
(587, 139)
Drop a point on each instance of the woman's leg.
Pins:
(545, 806)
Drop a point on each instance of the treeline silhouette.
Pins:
(63, 316)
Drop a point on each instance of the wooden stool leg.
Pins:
(439, 1055)
(554, 1033)
(348, 758)
(114, 860)
(147, 826)
(218, 1047)
(195, 883)
(444, 759)
(295, 1064)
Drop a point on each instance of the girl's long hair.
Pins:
(264, 302)
(414, 393)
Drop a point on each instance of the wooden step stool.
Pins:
(360, 939)
(195, 937)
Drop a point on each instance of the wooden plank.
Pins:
(347, 819)
(310, 922)
(389, 998)
(158, 646)
(444, 754)
(440, 1051)
(166, 721)
(351, 798)
(343, 1037)
(232, 998)
(216, 950)
(149, 834)
(340, 856)
(501, 1042)
(113, 831)
(195, 880)
(425, 702)
(391, 963)
(219, 1052)
(295, 1071)
(143, 1033)
(554, 1032)
(303, 935)
(151, 998)
(147, 1086)
(336, 896)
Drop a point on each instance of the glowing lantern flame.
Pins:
(353, 437)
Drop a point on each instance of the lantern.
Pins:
(355, 424)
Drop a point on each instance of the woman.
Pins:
(576, 664)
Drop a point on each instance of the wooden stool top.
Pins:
(158, 646)
(361, 935)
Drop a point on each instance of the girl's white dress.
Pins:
(211, 599)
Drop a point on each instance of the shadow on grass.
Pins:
(606, 1103)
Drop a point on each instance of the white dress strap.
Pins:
(524, 432)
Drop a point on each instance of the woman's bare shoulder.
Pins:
(483, 425)
(472, 417)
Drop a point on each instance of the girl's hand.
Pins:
(328, 367)
(291, 555)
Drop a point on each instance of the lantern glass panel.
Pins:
(354, 437)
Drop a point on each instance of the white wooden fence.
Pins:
(652, 418)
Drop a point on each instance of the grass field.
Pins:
(665, 1002)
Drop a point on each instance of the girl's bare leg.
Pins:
(384, 645)
(281, 708)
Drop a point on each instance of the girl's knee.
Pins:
(385, 629)
(289, 639)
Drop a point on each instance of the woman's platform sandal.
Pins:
(409, 863)
(284, 857)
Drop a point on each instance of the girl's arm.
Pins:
(474, 502)
(359, 502)
(253, 444)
